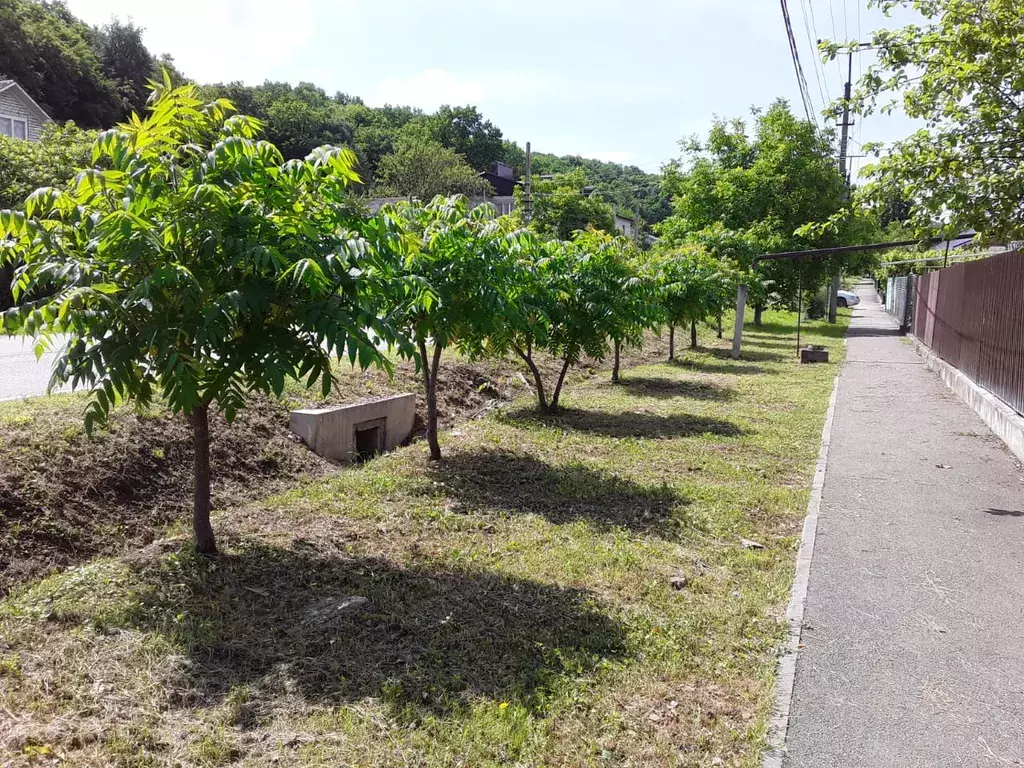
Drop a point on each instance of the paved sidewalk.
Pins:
(913, 630)
(21, 375)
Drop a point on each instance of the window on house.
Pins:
(13, 127)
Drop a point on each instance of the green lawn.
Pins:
(559, 591)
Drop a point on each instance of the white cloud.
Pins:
(609, 157)
(211, 41)
(430, 88)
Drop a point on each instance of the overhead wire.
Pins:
(812, 42)
(794, 51)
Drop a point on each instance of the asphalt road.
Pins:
(913, 629)
(20, 374)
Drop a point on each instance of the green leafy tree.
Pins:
(627, 186)
(296, 119)
(127, 62)
(694, 286)
(625, 291)
(423, 169)
(464, 130)
(763, 187)
(28, 165)
(961, 71)
(460, 273)
(565, 204)
(194, 263)
(53, 56)
(568, 296)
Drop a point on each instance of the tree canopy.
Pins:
(566, 204)
(459, 273)
(422, 168)
(94, 76)
(961, 71)
(763, 188)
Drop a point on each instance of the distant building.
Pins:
(502, 178)
(624, 225)
(20, 116)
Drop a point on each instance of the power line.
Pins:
(835, 36)
(805, 95)
(812, 42)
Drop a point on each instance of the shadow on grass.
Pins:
(754, 354)
(760, 342)
(658, 387)
(332, 629)
(629, 424)
(738, 367)
(522, 484)
(814, 327)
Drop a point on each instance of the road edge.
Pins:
(785, 678)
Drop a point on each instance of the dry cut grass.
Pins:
(559, 591)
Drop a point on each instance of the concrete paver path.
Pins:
(913, 628)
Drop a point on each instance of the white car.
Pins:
(847, 299)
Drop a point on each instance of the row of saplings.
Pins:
(193, 264)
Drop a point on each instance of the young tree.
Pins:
(423, 169)
(461, 279)
(694, 286)
(195, 264)
(960, 71)
(568, 296)
(625, 291)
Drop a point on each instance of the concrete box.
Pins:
(351, 432)
(810, 355)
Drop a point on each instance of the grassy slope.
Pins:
(512, 605)
(66, 498)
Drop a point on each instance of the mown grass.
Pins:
(559, 591)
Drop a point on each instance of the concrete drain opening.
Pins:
(369, 439)
(356, 432)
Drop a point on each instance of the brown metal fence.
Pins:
(972, 316)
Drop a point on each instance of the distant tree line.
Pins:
(98, 76)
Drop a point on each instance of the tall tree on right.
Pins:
(763, 187)
(962, 72)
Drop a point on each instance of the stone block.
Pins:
(813, 355)
(351, 432)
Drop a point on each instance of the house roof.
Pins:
(6, 85)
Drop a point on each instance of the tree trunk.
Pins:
(615, 367)
(693, 334)
(6, 278)
(671, 342)
(430, 383)
(719, 325)
(758, 309)
(833, 297)
(538, 381)
(206, 544)
(558, 388)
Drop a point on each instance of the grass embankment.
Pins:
(66, 498)
(566, 590)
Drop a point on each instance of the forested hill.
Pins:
(98, 76)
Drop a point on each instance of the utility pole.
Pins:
(636, 225)
(844, 150)
(528, 188)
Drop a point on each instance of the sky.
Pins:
(614, 80)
